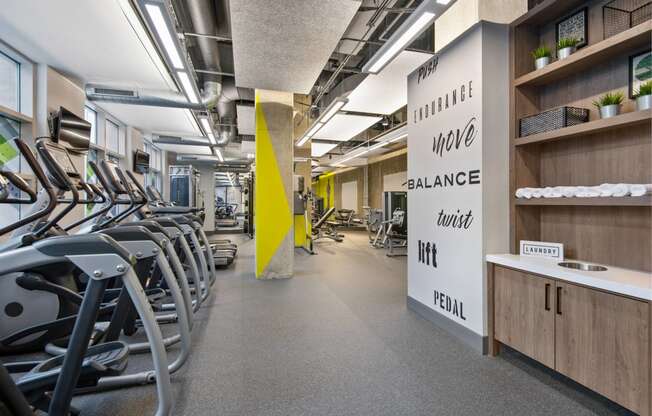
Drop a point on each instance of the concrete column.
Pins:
(273, 188)
(207, 191)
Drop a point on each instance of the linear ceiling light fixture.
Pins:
(188, 87)
(218, 152)
(419, 20)
(384, 139)
(324, 118)
(165, 34)
(307, 135)
(332, 109)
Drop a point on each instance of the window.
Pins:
(91, 116)
(89, 174)
(9, 83)
(113, 137)
(155, 177)
(122, 142)
(10, 161)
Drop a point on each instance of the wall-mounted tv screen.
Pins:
(141, 162)
(70, 130)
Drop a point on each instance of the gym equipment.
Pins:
(50, 385)
(393, 200)
(326, 229)
(248, 191)
(396, 239)
(184, 189)
(347, 218)
(388, 234)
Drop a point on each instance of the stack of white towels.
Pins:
(604, 190)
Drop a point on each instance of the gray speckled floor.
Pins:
(337, 339)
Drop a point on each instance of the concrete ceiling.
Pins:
(284, 45)
(98, 42)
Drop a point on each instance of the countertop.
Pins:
(615, 279)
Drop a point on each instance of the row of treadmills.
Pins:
(81, 292)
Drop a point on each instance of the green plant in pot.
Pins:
(644, 96)
(609, 104)
(566, 46)
(541, 56)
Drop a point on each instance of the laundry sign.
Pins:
(542, 249)
(457, 177)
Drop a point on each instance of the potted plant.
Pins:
(609, 104)
(565, 47)
(644, 96)
(541, 56)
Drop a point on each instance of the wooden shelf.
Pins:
(626, 201)
(546, 11)
(591, 127)
(589, 56)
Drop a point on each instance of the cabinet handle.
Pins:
(547, 306)
(558, 300)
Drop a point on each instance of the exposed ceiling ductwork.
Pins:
(135, 96)
(203, 14)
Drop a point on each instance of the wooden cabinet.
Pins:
(524, 317)
(601, 340)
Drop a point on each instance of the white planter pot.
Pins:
(541, 62)
(644, 102)
(565, 52)
(607, 111)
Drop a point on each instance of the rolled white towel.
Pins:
(640, 189)
(524, 193)
(551, 192)
(587, 191)
(568, 191)
(620, 189)
(537, 192)
(606, 189)
(580, 192)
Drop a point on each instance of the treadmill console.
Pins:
(58, 164)
(114, 178)
(61, 156)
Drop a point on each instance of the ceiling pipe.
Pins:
(156, 98)
(202, 14)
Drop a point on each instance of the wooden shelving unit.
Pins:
(592, 127)
(613, 231)
(627, 201)
(634, 38)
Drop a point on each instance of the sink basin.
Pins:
(582, 266)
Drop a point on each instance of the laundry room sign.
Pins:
(457, 175)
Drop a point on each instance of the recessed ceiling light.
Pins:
(163, 31)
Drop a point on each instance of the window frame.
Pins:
(18, 80)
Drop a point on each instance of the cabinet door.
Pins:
(602, 342)
(524, 316)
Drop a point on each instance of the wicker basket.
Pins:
(620, 15)
(552, 120)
